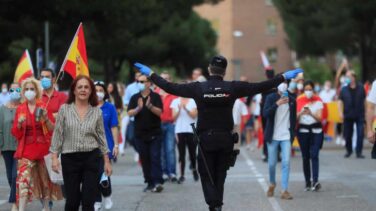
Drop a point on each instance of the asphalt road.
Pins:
(347, 184)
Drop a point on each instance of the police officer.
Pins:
(215, 99)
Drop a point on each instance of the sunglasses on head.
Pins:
(99, 83)
(15, 90)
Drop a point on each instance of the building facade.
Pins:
(244, 29)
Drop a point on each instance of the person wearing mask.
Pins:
(110, 122)
(310, 134)
(8, 143)
(32, 128)
(184, 112)
(4, 95)
(280, 111)
(79, 138)
(215, 97)
(168, 134)
(51, 97)
(371, 105)
(146, 108)
(352, 100)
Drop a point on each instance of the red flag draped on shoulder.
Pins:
(75, 62)
(24, 68)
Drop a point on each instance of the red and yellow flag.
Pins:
(75, 62)
(24, 68)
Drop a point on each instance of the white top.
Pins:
(239, 110)
(282, 123)
(372, 93)
(257, 101)
(4, 98)
(183, 120)
(327, 95)
(306, 119)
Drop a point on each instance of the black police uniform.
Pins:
(215, 99)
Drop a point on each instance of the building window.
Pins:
(269, 2)
(272, 54)
(271, 27)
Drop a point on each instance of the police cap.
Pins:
(218, 62)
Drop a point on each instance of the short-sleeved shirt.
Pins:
(372, 94)
(109, 120)
(240, 109)
(7, 140)
(306, 119)
(54, 102)
(147, 124)
(183, 121)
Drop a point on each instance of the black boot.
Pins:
(219, 208)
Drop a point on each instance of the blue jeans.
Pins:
(348, 133)
(272, 161)
(11, 169)
(130, 135)
(150, 154)
(310, 144)
(168, 149)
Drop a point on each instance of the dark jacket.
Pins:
(269, 112)
(215, 98)
(353, 107)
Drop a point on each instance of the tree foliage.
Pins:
(316, 27)
(117, 32)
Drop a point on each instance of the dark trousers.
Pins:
(310, 144)
(217, 162)
(104, 189)
(150, 154)
(348, 133)
(186, 141)
(81, 168)
(131, 135)
(11, 169)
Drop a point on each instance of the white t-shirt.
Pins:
(183, 121)
(282, 123)
(306, 119)
(327, 96)
(256, 101)
(239, 110)
(372, 93)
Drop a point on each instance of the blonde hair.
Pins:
(35, 82)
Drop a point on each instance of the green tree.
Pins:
(316, 27)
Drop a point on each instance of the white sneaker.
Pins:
(97, 206)
(107, 202)
(136, 157)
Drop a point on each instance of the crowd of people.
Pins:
(86, 129)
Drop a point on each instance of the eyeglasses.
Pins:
(15, 90)
(99, 83)
(142, 81)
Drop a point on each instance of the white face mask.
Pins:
(308, 94)
(282, 87)
(299, 86)
(30, 95)
(100, 96)
(4, 90)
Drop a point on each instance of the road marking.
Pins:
(347, 197)
(261, 180)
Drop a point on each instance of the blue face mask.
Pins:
(141, 87)
(292, 85)
(46, 83)
(347, 80)
(317, 89)
(15, 96)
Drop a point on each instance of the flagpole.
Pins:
(65, 58)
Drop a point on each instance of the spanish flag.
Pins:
(75, 62)
(24, 68)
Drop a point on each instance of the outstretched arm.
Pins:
(183, 90)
